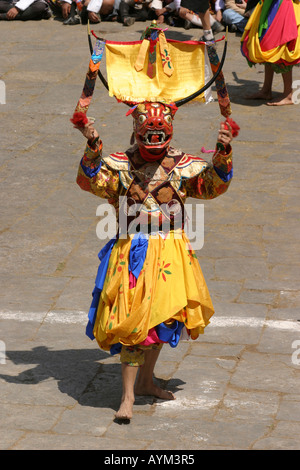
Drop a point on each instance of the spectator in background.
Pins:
(24, 10)
(133, 10)
(165, 9)
(70, 12)
(272, 38)
(96, 10)
(234, 15)
(80, 11)
(68, 9)
(197, 12)
(217, 7)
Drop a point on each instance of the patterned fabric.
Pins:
(191, 177)
(165, 56)
(272, 34)
(170, 287)
(163, 71)
(167, 294)
(135, 355)
(90, 80)
(222, 93)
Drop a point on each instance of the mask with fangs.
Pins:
(153, 126)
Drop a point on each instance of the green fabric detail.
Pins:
(263, 21)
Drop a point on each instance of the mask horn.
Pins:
(103, 80)
(208, 84)
(91, 50)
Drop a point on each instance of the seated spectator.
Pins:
(134, 10)
(217, 7)
(164, 10)
(80, 11)
(193, 18)
(24, 10)
(234, 15)
(98, 10)
(68, 9)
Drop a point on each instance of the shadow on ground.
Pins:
(78, 373)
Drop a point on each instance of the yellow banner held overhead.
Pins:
(178, 70)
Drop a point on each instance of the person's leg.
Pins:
(266, 92)
(196, 20)
(189, 17)
(145, 384)
(209, 27)
(132, 357)
(205, 18)
(125, 15)
(231, 17)
(216, 26)
(5, 6)
(128, 379)
(286, 97)
(116, 7)
(36, 11)
(73, 17)
(142, 358)
(107, 7)
(142, 14)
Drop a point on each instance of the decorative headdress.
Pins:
(154, 69)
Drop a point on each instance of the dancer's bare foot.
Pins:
(154, 390)
(126, 409)
(281, 101)
(260, 95)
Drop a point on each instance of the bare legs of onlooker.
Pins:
(266, 92)
(202, 20)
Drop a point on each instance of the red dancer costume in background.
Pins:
(272, 38)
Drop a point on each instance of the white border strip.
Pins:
(79, 317)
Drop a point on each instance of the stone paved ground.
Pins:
(238, 386)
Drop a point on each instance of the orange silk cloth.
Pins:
(179, 70)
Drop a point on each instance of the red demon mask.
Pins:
(153, 126)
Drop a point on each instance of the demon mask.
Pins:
(153, 125)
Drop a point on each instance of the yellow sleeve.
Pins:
(95, 176)
(214, 179)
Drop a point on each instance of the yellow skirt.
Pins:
(169, 287)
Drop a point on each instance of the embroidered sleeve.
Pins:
(95, 176)
(213, 180)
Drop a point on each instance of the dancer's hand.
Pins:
(225, 134)
(89, 132)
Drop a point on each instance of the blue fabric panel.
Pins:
(170, 334)
(115, 349)
(92, 313)
(137, 255)
(271, 15)
(224, 176)
(90, 172)
(103, 255)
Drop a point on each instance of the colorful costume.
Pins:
(150, 288)
(272, 34)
